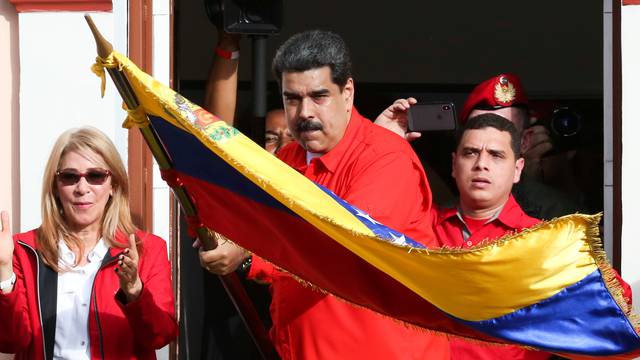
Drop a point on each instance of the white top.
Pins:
(74, 296)
(311, 156)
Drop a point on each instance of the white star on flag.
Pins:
(364, 215)
(398, 240)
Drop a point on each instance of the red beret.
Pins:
(500, 91)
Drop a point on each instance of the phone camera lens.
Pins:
(446, 107)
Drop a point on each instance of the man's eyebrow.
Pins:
(320, 92)
(471, 148)
(496, 152)
(270, 132)
(290, 94)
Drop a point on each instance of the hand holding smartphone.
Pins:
(437, 116)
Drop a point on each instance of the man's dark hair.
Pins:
(311, 50)
(494, 121)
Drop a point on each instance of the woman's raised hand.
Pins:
(127, 271)
(6, 247)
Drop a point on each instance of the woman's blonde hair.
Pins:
(97, 147)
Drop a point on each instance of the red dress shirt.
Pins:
(377, 171)
(451, 231)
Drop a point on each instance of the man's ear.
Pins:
(348, 91)
(525, 141)
(518, 170)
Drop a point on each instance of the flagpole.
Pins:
(231, 282)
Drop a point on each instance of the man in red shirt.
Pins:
(487, 210)
(485, 166)
(367, 166)
(504, 95)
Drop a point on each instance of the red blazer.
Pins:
(116, 330)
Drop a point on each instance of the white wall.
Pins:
(58, 91)
(631, 148)
(161, 71)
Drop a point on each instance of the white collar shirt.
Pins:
(73, 302)
(311, 156)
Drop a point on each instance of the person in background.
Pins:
(222, 92)
(86, 284)
(276, 132)
(486, 164)
(504, 95)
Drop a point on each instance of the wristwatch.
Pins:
(8, 284)
(245, 266)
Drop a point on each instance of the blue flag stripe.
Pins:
(381, 230)
(191, 157)
(597, 331)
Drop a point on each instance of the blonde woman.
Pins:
(86, 284)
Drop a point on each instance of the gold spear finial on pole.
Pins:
(104, 47)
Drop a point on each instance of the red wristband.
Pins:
(225, 54)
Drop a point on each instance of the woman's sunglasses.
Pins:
(93, 177)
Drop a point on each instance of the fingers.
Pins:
(403, 104)
(133, 248)
(222, 260)
(536, 142)
(213, 260)
(127, 271)
(534, 155)
(538, 131)
(197, 244)
(6, 246)
(538, 148)
(4, 221)
(127, 268)
(412, 136)
(127, 264)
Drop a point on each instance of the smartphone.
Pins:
(437, 116)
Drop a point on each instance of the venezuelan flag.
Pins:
(548, 288)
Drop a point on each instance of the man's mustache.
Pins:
(308, 125)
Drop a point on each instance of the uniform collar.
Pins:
(510, 214)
